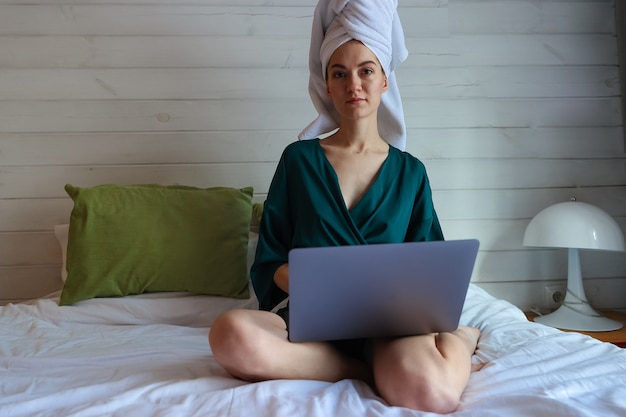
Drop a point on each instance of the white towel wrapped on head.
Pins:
(377, 25)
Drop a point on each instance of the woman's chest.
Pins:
(356, 175)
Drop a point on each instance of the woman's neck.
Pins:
(359, 137)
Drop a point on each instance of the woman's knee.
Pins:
(416, 390)
(409, 373)
(226, 328)
(229, 338)
(420, 393)
(235, 344)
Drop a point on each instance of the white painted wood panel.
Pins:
(126, 148)
(511, 142)
(24, 283)
(270, 3)
(523, 16)
(522, 203)
(33, 214)
(184, 20)
(48, 181)
(266, 145)
(514, 50)
(244, 83)
(252, 20)
(194, 115)
(29, 248)
(88, 51)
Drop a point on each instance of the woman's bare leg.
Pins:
(253, 346)
(427, 373)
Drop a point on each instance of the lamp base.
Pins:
(569, 319)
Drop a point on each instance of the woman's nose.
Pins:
(354, 83)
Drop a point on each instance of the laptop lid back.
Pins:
(378, 290)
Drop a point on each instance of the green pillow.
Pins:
(131, 239)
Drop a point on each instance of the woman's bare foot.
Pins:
(470, 336)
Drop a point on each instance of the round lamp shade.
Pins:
(574, 224)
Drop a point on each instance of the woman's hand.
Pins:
(281, 277)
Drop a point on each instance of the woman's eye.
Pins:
(339, 75)
(368, 71)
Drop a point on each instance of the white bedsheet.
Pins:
(149, 356)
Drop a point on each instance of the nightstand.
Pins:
(617, 337)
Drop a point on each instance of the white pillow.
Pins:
(61, 232)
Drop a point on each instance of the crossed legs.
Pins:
(427, 373)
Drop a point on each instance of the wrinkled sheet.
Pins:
(149, 356)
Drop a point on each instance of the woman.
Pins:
(349, 188)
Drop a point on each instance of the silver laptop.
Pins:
(378, 290)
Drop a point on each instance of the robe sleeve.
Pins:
(424, 224)
(275, 231)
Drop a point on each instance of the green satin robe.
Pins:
(305, 208)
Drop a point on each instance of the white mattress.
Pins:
(149, 356)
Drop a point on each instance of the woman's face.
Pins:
(355, 80)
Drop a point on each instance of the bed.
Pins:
(148, 355)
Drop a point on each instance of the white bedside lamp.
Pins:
(575, 225)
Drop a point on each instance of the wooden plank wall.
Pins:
(512, 105)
